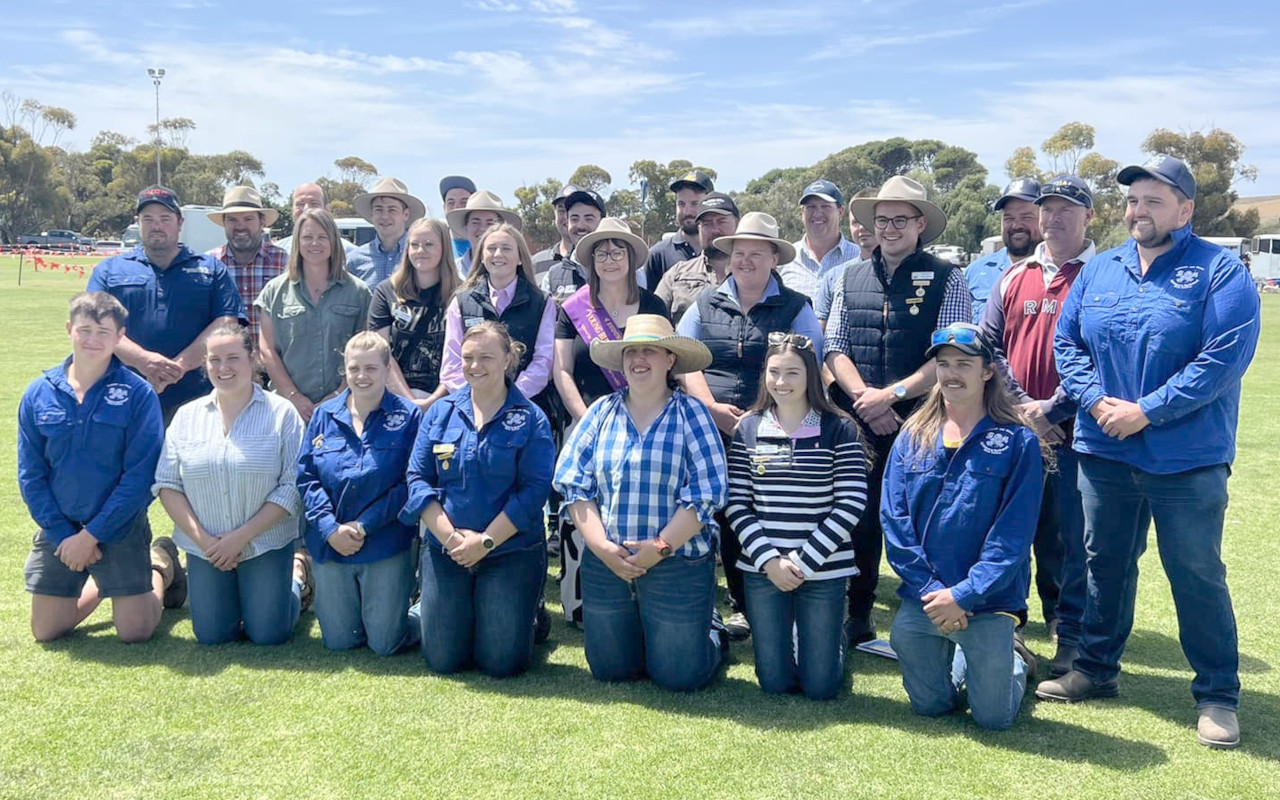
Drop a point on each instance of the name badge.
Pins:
(443, 452)
(402, 315)
(922, 276)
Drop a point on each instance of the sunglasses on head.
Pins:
(955, 335)
(796, 339)
(1067, 190)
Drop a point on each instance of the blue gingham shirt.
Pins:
(806, 272)
(373, 265)
(640, 481)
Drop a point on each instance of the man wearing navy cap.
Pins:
(1153, 341)
(583, 211)
(174, 297)
(823, 247)
(1020, 232)
(1020, 317)
(689, 190)
(543, 260)
(679, 288)
(454, 191)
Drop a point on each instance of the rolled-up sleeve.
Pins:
(285, 494)
(705, 485)
(575, 476)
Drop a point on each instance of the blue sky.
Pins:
(514, 91)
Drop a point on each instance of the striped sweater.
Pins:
(797, 497)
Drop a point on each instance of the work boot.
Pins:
(1218, 728)
(1062, 660)
(1074, 687)
(737, 626)
(1020, 648)
(164, 559)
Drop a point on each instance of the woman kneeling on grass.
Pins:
(961, 499)
(644, 474)
(797, 486)
(352, 477)
(479, 475)
(227, 479)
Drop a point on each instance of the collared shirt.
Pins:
(228, 477)
(250, 278)
(805, 273)
(664, 255)
(1176, 341)
(309, 338)
(461, 256)
(640, 480)
(345, 477)
(534, 378)
(805, 323)
(956, 307)
(169, 308)
(982, 275)
(831, 282)
(681, 285)
(373, 265)
(88, 465)
(503, 467)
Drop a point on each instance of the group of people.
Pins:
(390, 432)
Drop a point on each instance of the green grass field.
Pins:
(90, 717)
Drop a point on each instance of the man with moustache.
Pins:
(306, 196)
(1020, 318)
(250, 261)
(680, 286)
(1153, 341)
(391, 209)
(823, 247)
(865, 239)
(1020, 232)
(544, 260)
(583, 211)
(689, 190)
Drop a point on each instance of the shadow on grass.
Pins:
(1153, 649)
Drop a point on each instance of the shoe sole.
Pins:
(175, 595)
(1216, 744)
(1097, 694)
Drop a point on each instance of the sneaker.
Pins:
(302, 563)
(737, 626)
(541, 625)
(1028, 658)
(1062, 660)
(164, 559)
(1218, 728)
(1074, 687)
(858, 630)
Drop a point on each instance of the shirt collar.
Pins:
(1041, 255)
(210, 401)
(810, 426)
(730, 288)
(58, 375)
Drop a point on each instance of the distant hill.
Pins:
(1268, 209)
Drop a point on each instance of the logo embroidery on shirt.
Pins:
(515, 419)
(117, 394)
(395, 420)
(1186, 277)
(995, 442)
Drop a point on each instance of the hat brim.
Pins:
(269, 215)
(586, 243)
(691, 354)
(967, 349)
(786, 250)
(457, 219)
(821, 196)
(363, 204)
(1003, 201)
(864, 211)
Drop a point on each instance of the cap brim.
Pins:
(821, 196)
(691, 354)
(967, 349)
(1004, 201)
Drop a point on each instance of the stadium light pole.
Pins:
(157, 75)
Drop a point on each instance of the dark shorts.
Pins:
(123, 570)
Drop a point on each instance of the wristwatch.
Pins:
(487, 541)
(664, 549)
(900, 391)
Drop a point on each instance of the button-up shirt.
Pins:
(681, 285)
(227, 477)
(982, 275)
(88, 465)
(534, 378)
(806, 271)
(373, 265)
(250, 278)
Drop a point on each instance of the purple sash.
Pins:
(591, 325)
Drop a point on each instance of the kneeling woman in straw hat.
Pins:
(961, 502)
(643, 475)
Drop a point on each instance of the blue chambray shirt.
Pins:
(373, 265)
(982, 275)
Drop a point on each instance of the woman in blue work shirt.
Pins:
(478, 477)
(959, 510)
(351, 475)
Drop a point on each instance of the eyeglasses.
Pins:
(956, 335)
(797, 340)
(899, 222)
(602, 256)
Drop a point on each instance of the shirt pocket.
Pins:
(133, 291)
(1175, 323)
(1102, 318)
(289, 322)
(985, 480)
(448, 450)
(55, 426)
(109, 428)
(500, 452)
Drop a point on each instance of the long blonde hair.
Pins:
(479, 273)
(404, 281)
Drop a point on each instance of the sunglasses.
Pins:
(1069, 191)
(798, 340)
(956, 335)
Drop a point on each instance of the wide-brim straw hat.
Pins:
(389, 187)
(611, 228)
(652, 329)
(482, 200)
(757, 226)
(244, 198)
(903, 190)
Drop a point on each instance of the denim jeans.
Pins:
(483, 616)
(657, 625)
(360, 604)
(1059, 548)
(259, 599)
(936, 665)
(798, 636)
(1119, 504)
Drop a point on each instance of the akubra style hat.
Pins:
(652, 329)
(244, 198)
(483, 200)
(611, 228)
(903, 190)
(389, 187)
(757, 226)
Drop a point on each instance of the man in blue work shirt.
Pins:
(89, 436)
(174, 297)
(390, 208)
(1020, 232)
(1152, 343)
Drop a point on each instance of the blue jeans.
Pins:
(1062, 517)
(258, 599)
(657, 625)
(360, 604)
(483, 615)
(980, 657)
(1119, 504)
(798, 636)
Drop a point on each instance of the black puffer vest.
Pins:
(522, 317)
(738, 342)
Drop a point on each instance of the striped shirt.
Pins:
(797, 496)
(640, 480)
(227, 478)
(805, 273)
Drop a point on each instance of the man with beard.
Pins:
(544, 260)
(250, 261)
(583, 211)
(306, 196)
(1020, 231)
(1153, 341)
(391, 209)
(689, 190)
(679, 288)
(823, 247)
(1020, 319)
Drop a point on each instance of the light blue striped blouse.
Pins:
(227, 478)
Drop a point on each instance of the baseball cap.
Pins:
(1164, 168)
(159, 194)
(1019, 189)
(694, 179)
(823, 189)
(1068, 187)
(963, 336)
(585, 196)
(451, 182)
(568, 189)
(718, 203)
